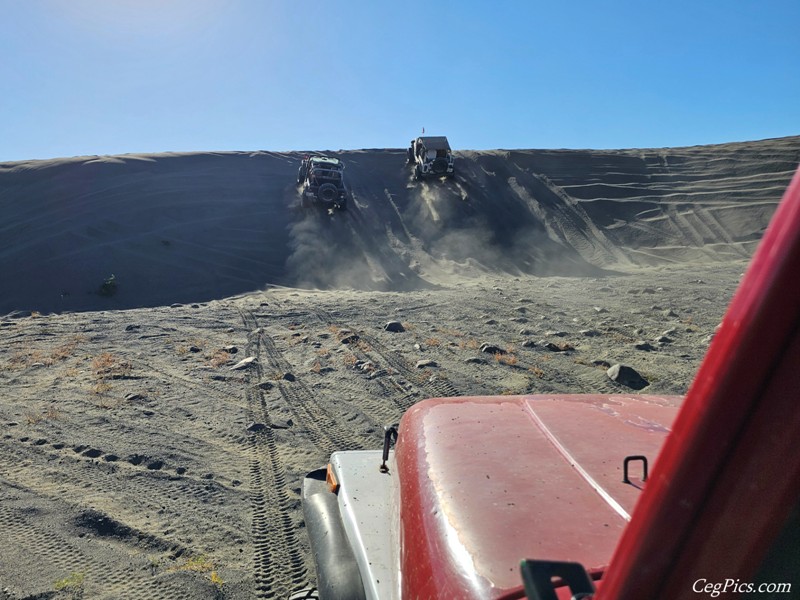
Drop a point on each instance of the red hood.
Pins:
(487, 482)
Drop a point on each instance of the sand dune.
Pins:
(193, 227)
(140, 459)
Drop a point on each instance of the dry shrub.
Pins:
(25, 358)
(469, 345)
(450, 332)
(101, 387)
(536, 371)
(433, 342)
(506, 359)
(51, 413)
(350, 360)
(67, 349)
(219, 358)
(196, 564)
(108, 366)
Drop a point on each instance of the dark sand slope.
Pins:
(193, 227)
(156, 453)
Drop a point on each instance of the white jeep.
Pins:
(431, 157)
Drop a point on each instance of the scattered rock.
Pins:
(265, 385)
(556, 333)
(669, 313)
(627, 376)
(195, 349)
(663, 339)
(132, 327)
(601, 363)
(491, 349)
(230, 349)
(528, 344)
(348, 337)
(175, 305)
(490, 322)
(424, 364)
(254, 427)
(525, 332)
(133, 397)
(562, 347)
(394, 327)
(288, 376)
(645, 346)
(474, 360)
(244, 363)
(589, 332)
(600, 309)
(281, 424)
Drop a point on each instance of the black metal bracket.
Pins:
(389, 433)
(537, 577)
(627, 460)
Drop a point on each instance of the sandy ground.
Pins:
(141, 458)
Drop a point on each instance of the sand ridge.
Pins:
(197, 226)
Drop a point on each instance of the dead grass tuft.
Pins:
(506, 359)
(469, 345)
(219, 358)
(108, 366)
(538, 373)
(51, 413)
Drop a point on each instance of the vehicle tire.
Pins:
(451, 175)
(439, 166)
(328, 193)
(417, 172)
(410, 155)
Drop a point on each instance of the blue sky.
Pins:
(82, 77)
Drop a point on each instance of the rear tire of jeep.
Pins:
(439, 166)
(417, 173)
(327, 192)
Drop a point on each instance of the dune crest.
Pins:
(192, 227)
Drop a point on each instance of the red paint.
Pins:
(730, 472)
(485, 486)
